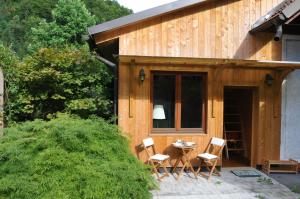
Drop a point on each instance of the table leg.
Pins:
(188, 161)
(176, 164)
(181, 170)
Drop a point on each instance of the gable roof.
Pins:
(279, 14)
(140, 16)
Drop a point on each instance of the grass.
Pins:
(70, 158)
(295, 189)
(218, 182)
(260, 197)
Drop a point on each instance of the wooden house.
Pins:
(207, 68)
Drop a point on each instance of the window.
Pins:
(178, 102)
(291, 47)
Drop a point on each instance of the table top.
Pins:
(184, 145)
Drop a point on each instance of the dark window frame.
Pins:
(178, 129)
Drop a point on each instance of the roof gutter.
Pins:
(276, 18)
(106, 62)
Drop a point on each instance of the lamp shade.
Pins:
(159, 112)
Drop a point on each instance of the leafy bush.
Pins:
(68, 158)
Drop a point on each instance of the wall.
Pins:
(290, 131)
(290, 134)
(134, 109)
(219, 29)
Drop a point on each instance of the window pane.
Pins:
(191, 101)
(164, 101)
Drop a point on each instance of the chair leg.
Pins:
(156, 171)
(165, 169)
(212, 170)
(199, 168)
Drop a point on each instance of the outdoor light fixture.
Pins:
(269, 79)
(142, 75)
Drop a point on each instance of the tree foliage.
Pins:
(106, 10)
(69, 158)
(70, 21)
(8, 64)
(62, 80)
(18, 17)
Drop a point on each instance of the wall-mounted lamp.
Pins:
(142, 75)
(269, 79)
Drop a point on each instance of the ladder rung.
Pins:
(233, 149)
(233, 140)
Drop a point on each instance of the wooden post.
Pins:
(280, 75)
(216, 87)
(131, 88)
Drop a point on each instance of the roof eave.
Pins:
(211, 62)
(143, 15)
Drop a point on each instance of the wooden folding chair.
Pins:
(211, 156)
(154, 159)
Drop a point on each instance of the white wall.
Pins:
(290, 122)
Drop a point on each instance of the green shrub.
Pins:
(61, 80)
(68, 158)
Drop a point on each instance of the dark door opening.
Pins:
(238, 106)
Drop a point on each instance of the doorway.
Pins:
(237, 127)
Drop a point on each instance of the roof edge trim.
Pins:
(143, 15)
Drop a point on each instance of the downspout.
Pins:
(278, 34)
(114, 68)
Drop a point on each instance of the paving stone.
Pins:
(228, 186)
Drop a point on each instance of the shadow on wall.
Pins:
(252, 45)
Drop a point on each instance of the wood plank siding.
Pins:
(217, 29)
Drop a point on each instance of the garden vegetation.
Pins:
(59, 142)
(69, 158)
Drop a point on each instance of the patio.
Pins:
(228, 186)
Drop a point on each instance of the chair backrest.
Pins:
(217, 141)
(149, 143)
(216, 146)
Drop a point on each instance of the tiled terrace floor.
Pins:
(228, 186)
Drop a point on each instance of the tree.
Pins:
(8, 64)
(106, 10)
(70, 21)
(18, 17)
(63, 80)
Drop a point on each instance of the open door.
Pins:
(238, 111)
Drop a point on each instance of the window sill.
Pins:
(177, 133)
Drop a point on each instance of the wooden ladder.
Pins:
(233, 127)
